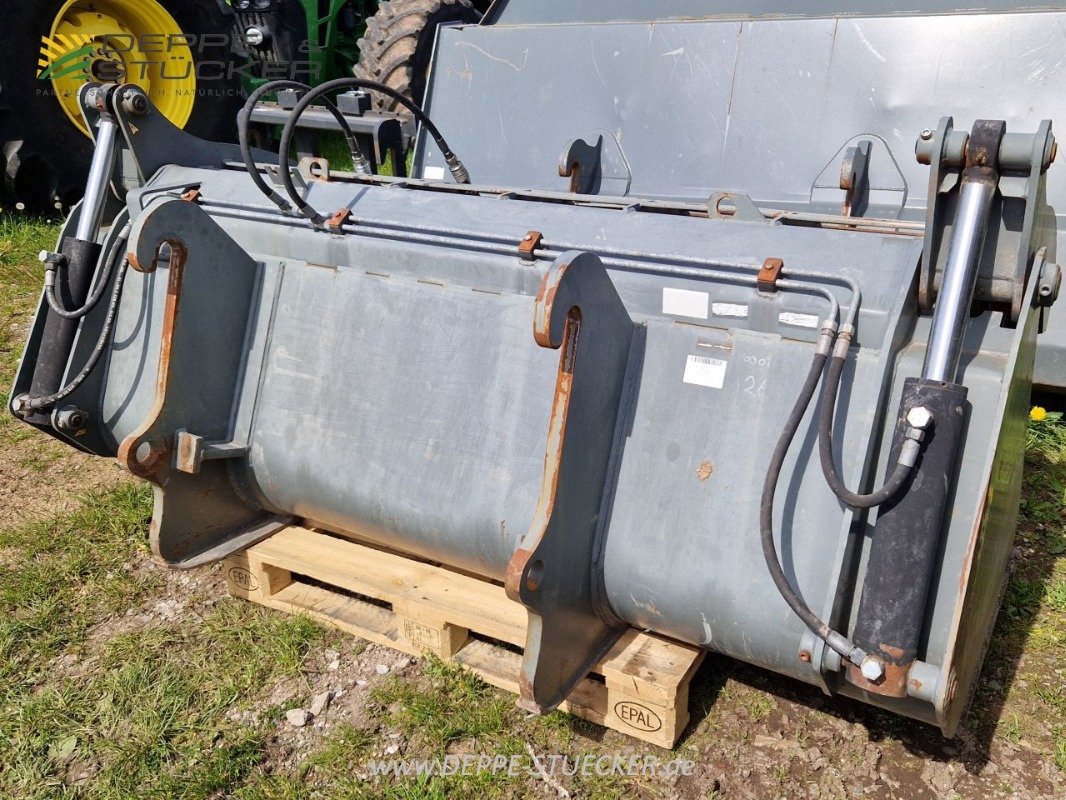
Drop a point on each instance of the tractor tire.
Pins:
(399, 43)
(45, 155)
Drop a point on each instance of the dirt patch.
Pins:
(42, 478)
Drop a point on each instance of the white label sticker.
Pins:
(729, 310)
(683, 303)
(799, 320)
(433, 173)
(703, 371)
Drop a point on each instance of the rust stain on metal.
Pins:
(525, 695)
(894, 682)
(704, 470)
(518, 567)
(572, 171)
(127, 454)
(133, 262)
(805, 656)
(769, 274)
(190, 195)
(186, 455)
(515, 567)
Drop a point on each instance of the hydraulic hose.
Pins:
(903, 468)
(837, 641)
(456, 167)
(104, 270)
(31, 404)
(244, 119)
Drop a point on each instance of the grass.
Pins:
(58, 581)
(456, 706)
(21, 239)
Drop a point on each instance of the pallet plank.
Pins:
(644, 692)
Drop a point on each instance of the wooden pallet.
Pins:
(420, 607)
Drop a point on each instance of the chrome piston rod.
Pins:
(960, 277)
(96, 187)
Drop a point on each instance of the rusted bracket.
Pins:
(198, 515)
(339, 219)
(552, 571)
(527, 248)
(769, 274)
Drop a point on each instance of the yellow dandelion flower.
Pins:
(1038, 414)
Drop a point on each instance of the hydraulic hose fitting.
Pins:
(844, 339)
(825, 341)
(362, 166)
(455, 166)
(52, 262)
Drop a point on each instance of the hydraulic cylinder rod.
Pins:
(960, 275)
(907, 533)
(103, 165)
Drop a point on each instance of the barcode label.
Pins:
(703, 371)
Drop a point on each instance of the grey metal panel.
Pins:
(675, 533)
(524, 12)
(759, 107)
(379, 412)
(756, 107)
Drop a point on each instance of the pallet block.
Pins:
(414, 607)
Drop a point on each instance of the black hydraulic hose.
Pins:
(900, 472)
(105, 270)
(454, 164)
(244, 119)
(40, 403)
(837, 641)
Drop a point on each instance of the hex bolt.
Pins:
(18, 404)
(920, 417)
(926, 134)
(873, 669)
(135, 103)
(71, 419)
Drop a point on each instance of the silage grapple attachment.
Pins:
(793, 438)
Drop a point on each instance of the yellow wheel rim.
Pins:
(131, 41)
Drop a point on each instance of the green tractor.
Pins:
(196, 59)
